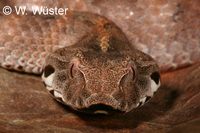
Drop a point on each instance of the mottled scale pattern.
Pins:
(92, 64)
(167, 30)
(26, 40)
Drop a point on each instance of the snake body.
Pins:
(89, 64)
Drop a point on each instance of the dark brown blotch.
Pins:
(140, 104)
(20, 67)
(48, 70)
(156, 77)
(51, 92)
(147, 98)
(60, 100)
(7, 66)
(95, 47)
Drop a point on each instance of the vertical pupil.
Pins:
(133, 72)
(71, 70)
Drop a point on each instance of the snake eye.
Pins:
(48, 70)
(133, 73)
(74, 67)
(72, 70)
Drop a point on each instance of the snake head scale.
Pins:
(96, 76)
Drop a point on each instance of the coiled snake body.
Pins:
(89, 64)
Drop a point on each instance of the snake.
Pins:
(96, 62)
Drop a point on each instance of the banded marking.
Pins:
(103, 34)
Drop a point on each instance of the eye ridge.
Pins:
(48, 70)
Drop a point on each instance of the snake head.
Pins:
(101, 72)
(92, 81)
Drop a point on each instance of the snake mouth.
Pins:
(100, 109)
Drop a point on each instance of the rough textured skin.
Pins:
(155, 28)
(26, 107)
(167, 30)
(100, 68)
(26, 40)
